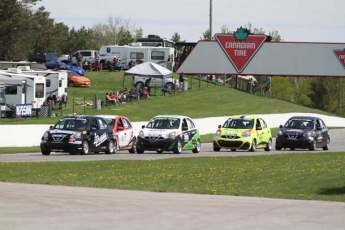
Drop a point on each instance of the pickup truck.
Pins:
(88, 55)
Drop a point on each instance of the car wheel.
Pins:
(115, 146)
(326, 147)
(269, 145)
(110, 147)
(278, 147)
(133, 149)
(292, 149)
(159, 151)
(140, 151)
(71, 84)
(233, 150)
(84, 148)
(312, 146)
(178, 147)
(45, 152)
(216, 148)
(197, 147)
(140, 84)
(72, 152)
(170, 86)
(253, 148)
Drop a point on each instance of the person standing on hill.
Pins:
(181, 81)
(79, 58)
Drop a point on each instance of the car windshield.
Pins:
(237, 123)
(51, 57)
(164, 123)
(298, 123)
(110, 122)
(78, 124)
(71, 73)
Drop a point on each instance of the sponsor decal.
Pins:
(61, 131)
(58, 137)
(99, 139)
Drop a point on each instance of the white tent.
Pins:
(149, 69)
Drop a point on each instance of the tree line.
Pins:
(25, 30)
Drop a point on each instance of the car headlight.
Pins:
(172, 135)
(141, 134)
(45, 135)
(280, 133)
(246, 133)
(76, 135)
(307, 134)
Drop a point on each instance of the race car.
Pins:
(78, 134)
(243, 132)
(124, 133)
(169, 133)
(303, 132)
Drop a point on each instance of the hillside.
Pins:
(208, 100)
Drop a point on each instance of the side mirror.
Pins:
(143, 126)
(219, 126)
(259, 128)
(280, 126)
(51, 127)
(184, 128)
(318, 128)
(120, 128)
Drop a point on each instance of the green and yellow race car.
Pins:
(243, 132)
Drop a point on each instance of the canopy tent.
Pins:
(149, 69)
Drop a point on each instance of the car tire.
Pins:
(133, 149)
(326, 147)
(292, 149)
(110, 147)
(233, 150)
(278, 147)
(140, 151)
(71, 84)
(253, 147)
(45, 152)
(178, 147)
(115, 146)
(140, 84)
(216, 148)
(84, 148)
(197, 147)
(170, 86)
(72, 152)
(268, 145)
(312, 146)
(159, 151)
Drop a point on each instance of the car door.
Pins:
(259, 132)
(121, 131)
(104, 133)
(94, 135)
(266, 132)
(324, 132)
(185, 132)
(130, 133)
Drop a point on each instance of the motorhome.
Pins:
(163, 56)
(56, 82)
(23, 89)
(2, 99)
(4, 65)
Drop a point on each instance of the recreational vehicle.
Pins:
(56, 82)
(24, 89)
(2, 99)
(163, 56)
(4, 65)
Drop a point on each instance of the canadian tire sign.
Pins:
(240, 47)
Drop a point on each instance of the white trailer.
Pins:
(24, 89)
(56, 82)
(163, 56)
(4, 65)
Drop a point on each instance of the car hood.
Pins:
(291, 130)
(60, 135)
(159, 132)
(237, 132)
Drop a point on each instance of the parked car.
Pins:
(62, 66)
(141, 81)
(124, 134)
(78, 134)
(43, 57)
(243, 132)
(303, 132)
(75, 80)
(169, 133)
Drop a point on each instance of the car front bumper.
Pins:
(156, 145)
(232, 143)
(300, 143)
(61, 146)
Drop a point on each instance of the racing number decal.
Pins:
(99, 139)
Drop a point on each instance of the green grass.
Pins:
(204, 100)
(316, 176)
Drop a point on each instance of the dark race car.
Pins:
(78, 134)
(303, 132)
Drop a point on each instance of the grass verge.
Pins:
(312, 176)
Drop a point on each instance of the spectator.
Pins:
(131, 64)
(112, 98)
(165, 90)
(79, 58)
(146, 93)
(181, 81)
(70, 57)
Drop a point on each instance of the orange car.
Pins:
(75, 80)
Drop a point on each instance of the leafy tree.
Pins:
(206, 35)
(176, 37)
